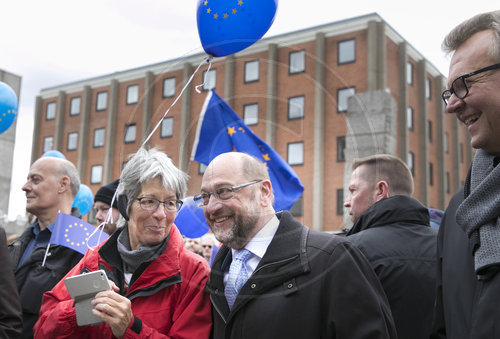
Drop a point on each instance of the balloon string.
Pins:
(98, 228)
(207, 59)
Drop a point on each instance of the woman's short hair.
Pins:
(146, 165)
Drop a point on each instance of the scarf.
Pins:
(132, 259)
(479, 213)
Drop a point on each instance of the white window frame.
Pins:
(295, 153)
(409, 73)
(297, 62)
(130, 133)
(51, 111)
(101, 101)
(346, 51)
(72, 141)
(97, 136)
(167, 127)
(132, 94)
(296, 107)
(74, 106)
(96, 174)
(168, 87)
(48, 144)
(343, 94)
(252, 71)
(251, 114)
(409, 118)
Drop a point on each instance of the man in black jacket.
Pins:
(292, 282)
(468, 283)
(51, 188)
(392, 230)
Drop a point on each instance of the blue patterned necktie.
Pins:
(237, 276)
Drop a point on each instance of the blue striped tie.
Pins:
(237, 276)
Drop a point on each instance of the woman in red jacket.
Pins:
(158, 286)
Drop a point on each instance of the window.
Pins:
(96, 174)
(74, 107)
(251, 114)
(51, 111)
(409, 118)
(72, 141)
(411, 162)
(296, 108)
(409, 73)
(252, 71)
(209, 80)
(341, 148)
(297, 207)
(102, 101)
(99, 137)
(445, 142)
(296, 153)
(132, 94)
(447, 183)
(48, 144)
(297, 62)
(167, 127)
(428, 88)
(431, 174)
(340, 202)
(346, 51)
(130, 133)
(342, 95)
(429, 124)
(202, 168)
(168, 87)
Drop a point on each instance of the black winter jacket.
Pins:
(395, 236)
(307, 285)
(33, 280)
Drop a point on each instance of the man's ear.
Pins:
(64, 185)
(266, 192)
(382, 190)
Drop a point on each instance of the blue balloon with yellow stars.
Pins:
(8, 107)
(229, 26)
(83, 199)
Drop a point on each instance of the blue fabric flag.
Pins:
(221, 130)
(74, 233)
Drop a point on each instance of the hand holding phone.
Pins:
(83, 288)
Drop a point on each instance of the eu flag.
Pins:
(74, 233)
(221, 130)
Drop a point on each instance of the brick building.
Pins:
(320, 96)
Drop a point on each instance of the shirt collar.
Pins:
(260, 242)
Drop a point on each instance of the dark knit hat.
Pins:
(106, 192)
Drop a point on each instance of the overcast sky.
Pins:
(53, 42)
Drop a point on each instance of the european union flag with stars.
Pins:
(221, 130)
(74, 233)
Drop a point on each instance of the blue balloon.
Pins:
(83, 199)
(8, 107)
(53, 154)
(190, 220)
(228, 26)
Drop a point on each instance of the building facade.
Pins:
(320, 97)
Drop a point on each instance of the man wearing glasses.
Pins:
(468, 292)
(274, 277)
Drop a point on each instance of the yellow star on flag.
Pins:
(216, 16)
(231, 131)
(205, 3)
(225, 15)
(266, 157)
(240, 2)
(209, 10)
(234, 11)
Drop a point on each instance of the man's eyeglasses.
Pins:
(151, 204)
(221, 193)
(459, 85)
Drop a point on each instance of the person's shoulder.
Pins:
(192, 261)
(323, 241)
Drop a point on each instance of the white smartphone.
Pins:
(83, 288)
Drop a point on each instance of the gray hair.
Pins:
(66, 168)
(478, 23)
(253, 168)
(389, 168)
(146, 165)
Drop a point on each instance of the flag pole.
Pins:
(46, 253)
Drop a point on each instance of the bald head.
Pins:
(51, 187)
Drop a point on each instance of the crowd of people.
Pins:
(259, 273)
